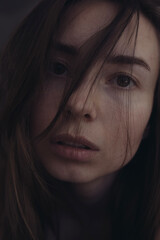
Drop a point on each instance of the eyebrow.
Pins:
(117, 59)
(130, 60)
(66, 48)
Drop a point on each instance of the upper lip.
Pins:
(76, 140)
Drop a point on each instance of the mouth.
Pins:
(77, 148)
(70, 144)
(74, 142)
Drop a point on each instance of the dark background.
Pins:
(11, 14)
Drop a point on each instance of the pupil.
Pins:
(59, 68)
(123, 81)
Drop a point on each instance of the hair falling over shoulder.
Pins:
(27, 192)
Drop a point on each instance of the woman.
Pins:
(80, 123)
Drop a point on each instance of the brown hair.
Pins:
(27, 192)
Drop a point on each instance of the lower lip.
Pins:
(73, 153)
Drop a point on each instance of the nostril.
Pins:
(87, 115)
(68, 113)
(74, 112)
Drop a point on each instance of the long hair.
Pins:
(27, 193)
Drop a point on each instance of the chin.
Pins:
(73, 177)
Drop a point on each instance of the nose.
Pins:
(82, 104)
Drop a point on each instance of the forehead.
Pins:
(85, 19)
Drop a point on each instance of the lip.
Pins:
(73, 152)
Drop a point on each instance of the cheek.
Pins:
(137, 122)
(44, 109)
(124, 127)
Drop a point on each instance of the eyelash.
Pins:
(64, 66)
(61, 66)
(123, 75)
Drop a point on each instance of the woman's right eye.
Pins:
(58, 69)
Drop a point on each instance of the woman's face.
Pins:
(102, 116)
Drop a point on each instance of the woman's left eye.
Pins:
(123, 81)
(58, 68)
